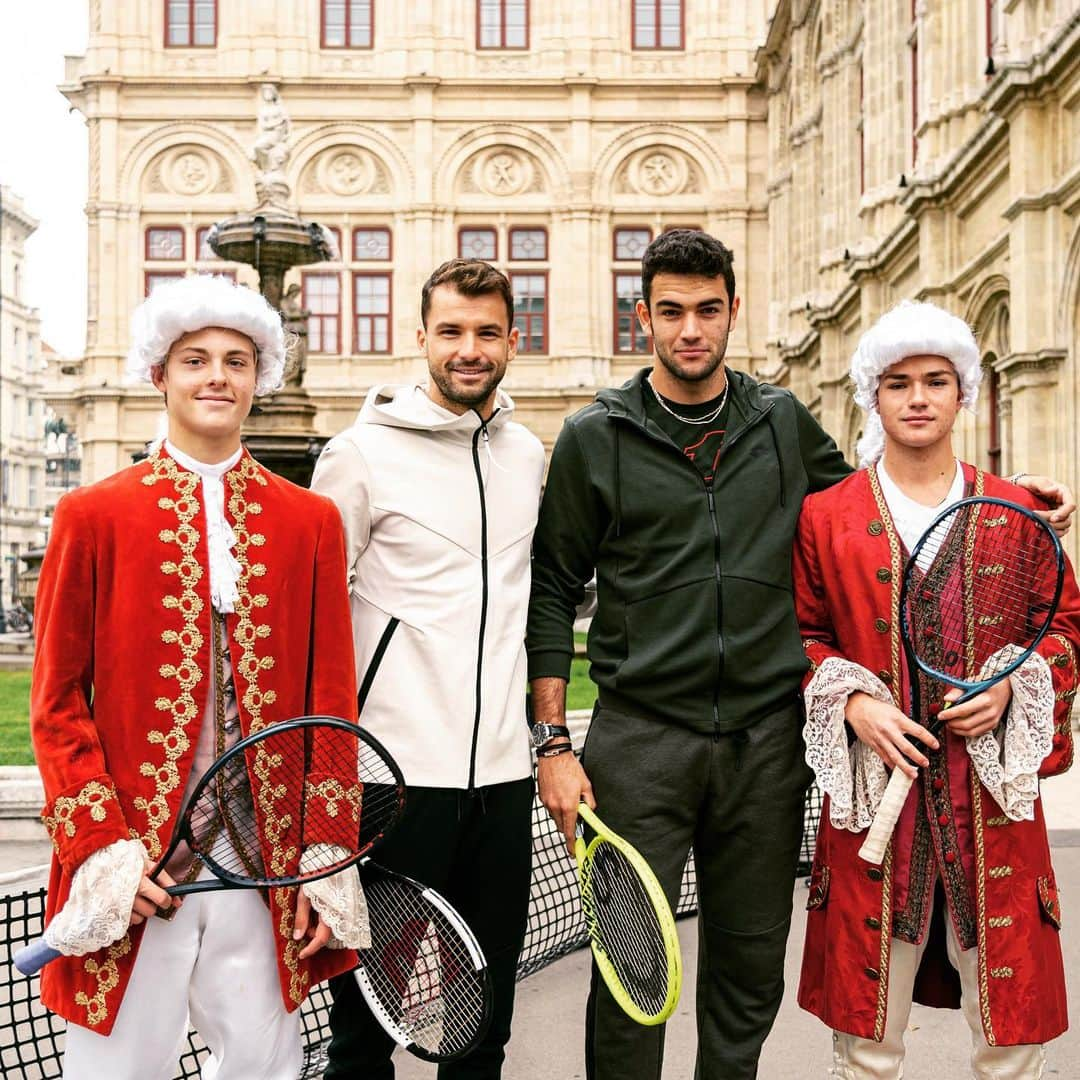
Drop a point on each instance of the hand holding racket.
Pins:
(424, 978)
(339, 795)
(631, 928)
(979, 593)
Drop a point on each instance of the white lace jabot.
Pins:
(220, 539)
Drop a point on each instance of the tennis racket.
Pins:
(424, 978)
(340, 793)
(979, 593)
(631, 928)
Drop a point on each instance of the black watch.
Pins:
(543, 733)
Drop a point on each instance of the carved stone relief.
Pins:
(347, 170)
(658, 171)
(502, 171)
(187, 170)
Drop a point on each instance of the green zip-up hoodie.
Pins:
(695, 621)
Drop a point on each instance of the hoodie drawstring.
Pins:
(487, 439)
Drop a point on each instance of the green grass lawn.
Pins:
(14, 718)
(15, 708)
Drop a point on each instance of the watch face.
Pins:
(540, 734)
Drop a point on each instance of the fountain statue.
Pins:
(272, 238)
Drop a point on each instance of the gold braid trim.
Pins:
(175, 743)
(886, 944)
(267, 792)
(107, 974)
(996, 922)
(333, 791)
(980, 900)
(93, 797)
(897, 567)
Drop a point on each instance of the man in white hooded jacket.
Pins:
(439, 489)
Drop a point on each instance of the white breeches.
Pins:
(215, 962)
(864, 1059)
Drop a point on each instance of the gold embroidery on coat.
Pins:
(189, 639)
(999, 872)
(896, 572)
(980, 896)
(93, 796)
(107, 974)
(1002, 972)
(995, 821)
(335, 792)
(996, 922)
(250, 666)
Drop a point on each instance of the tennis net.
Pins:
(31, 1038)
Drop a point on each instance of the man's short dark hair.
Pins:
(470, 277)
(686, 252)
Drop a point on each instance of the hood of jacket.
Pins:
(407, 405)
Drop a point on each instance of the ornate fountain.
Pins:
(272, 238)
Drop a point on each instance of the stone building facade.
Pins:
(22, 457)
(930, 150)
(851, 153)
(555, 138)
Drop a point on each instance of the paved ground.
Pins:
(549, 1029)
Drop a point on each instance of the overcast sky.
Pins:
(43, 158)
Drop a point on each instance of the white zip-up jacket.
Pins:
(439, 512)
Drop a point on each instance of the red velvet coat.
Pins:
(123, 667)
(996, 873)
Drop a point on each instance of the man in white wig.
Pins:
(184, 602)
(963, 912)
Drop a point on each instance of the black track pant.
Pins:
(477, 851)
(738, 799)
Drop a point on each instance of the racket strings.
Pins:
(421, 969)
(300, 803)
(982, 580)
(624, 924)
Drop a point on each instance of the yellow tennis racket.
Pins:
(631, 928)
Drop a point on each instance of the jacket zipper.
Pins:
(719, 611)
(481, 430)
(717, 569)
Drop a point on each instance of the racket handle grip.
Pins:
(888, 813)
(31, 959)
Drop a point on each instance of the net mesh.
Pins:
(32, 1039)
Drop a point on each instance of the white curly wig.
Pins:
(910, 329)
(175, 308)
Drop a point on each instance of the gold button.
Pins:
(875, 528)
(884, 575)
(885, 677)
(881, 626)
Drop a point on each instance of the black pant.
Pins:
(738, 799)
(477, 851)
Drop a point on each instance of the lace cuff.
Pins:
(339, 899)
(853, 777)
(1007, 760)
(98, 909)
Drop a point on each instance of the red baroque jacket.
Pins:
(994, 873)
(123, 667)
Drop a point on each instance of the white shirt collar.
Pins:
(215, 472)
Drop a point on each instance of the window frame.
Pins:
(323, 44)
(353, 257)
(658, 47)
(356, 315)
(636, 329)
(148, 274)
(512, 258)
(322, 317)
(147, 257)
(545, 274)
(462, 229)
(502, 47)
(616, 229)
(191, 44)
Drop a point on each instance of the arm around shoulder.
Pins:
(822, 460)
